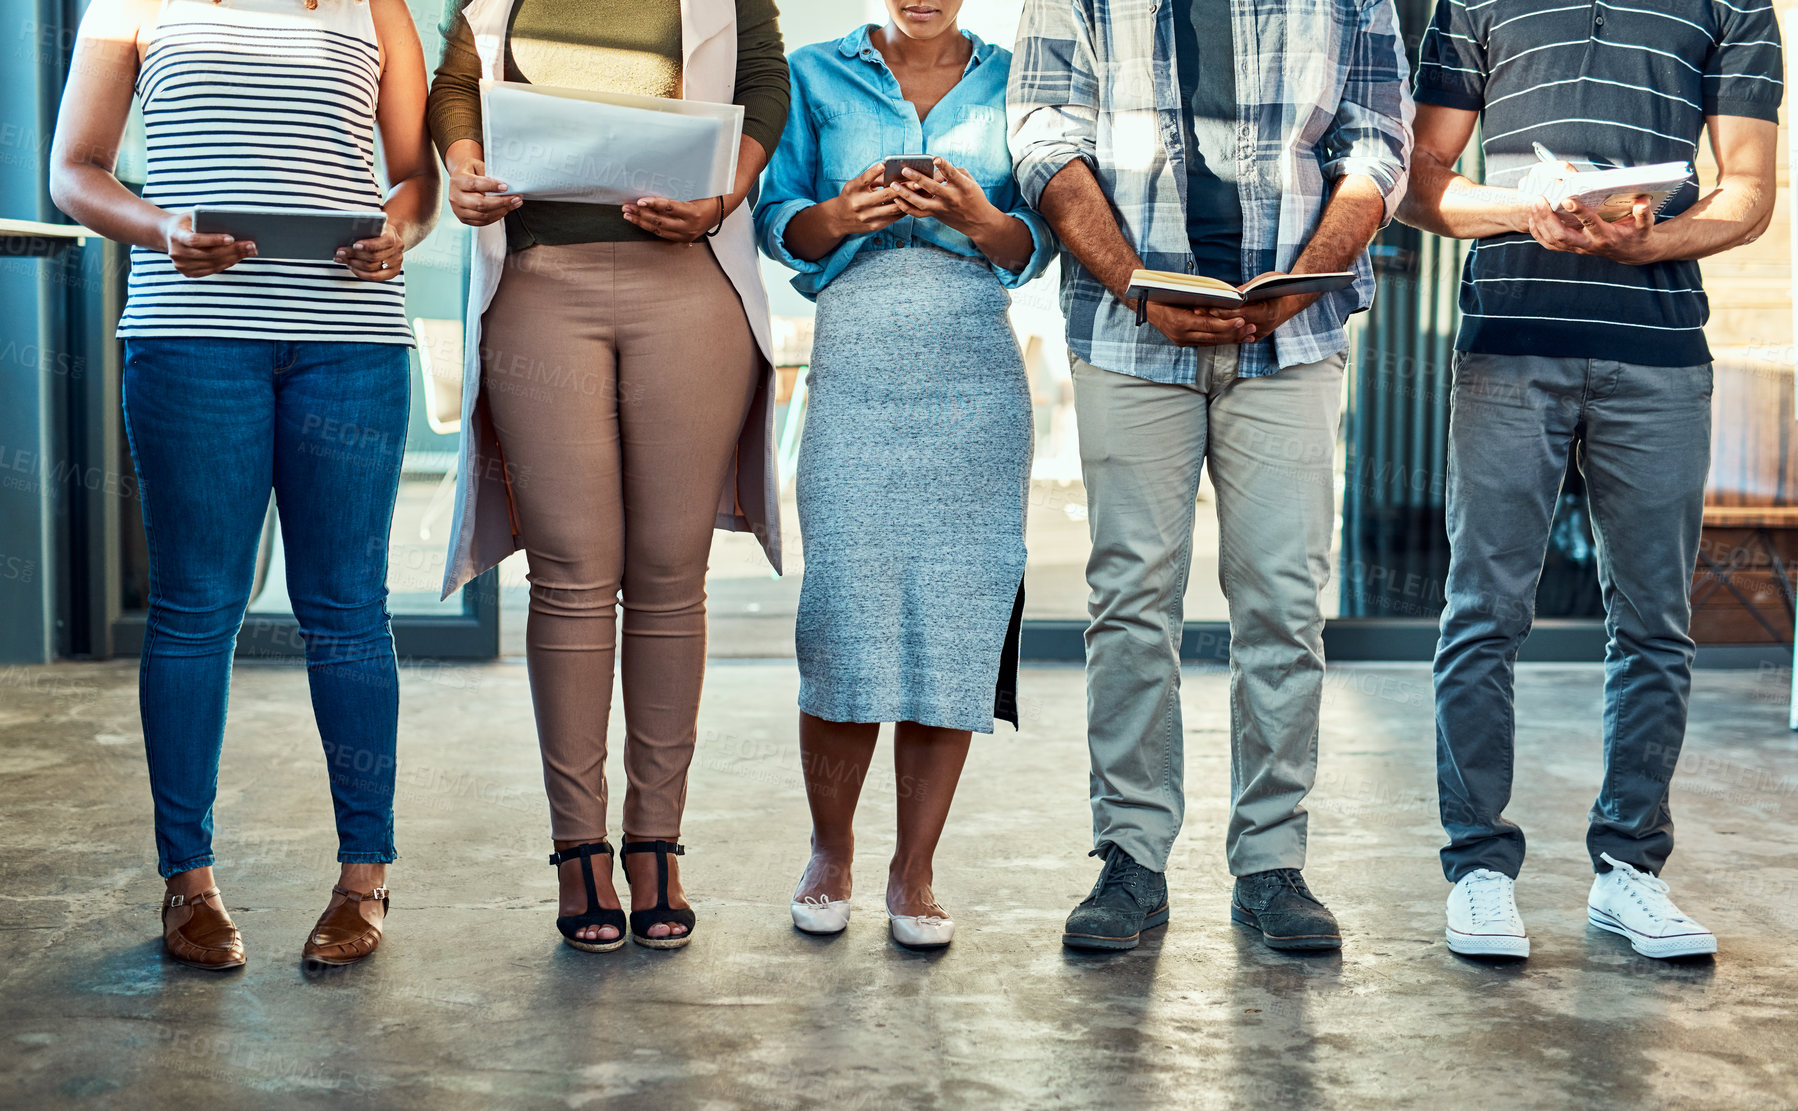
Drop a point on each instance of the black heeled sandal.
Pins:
(596, 915)
(661, 913)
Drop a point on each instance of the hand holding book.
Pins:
(1254, 307)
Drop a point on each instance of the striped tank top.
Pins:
(261, 102)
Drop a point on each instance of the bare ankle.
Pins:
(191, 882)
(358, 876)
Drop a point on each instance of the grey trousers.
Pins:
(1271, 444)
(1643, 437)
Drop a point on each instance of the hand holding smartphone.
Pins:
(897, 164)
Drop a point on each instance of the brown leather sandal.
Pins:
(208, 938)
(342, 935)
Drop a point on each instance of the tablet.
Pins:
(290, 232)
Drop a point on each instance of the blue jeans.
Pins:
(214, 425)
(1643, 437)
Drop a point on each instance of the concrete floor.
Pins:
(473, 1003)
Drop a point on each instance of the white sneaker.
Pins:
(815, 914)
(921, 931)
(1635, 904)
(1483, 919)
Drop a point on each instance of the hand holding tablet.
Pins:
(288, 233)
(198, 254)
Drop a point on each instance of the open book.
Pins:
(1170, 288)
(1612, 193)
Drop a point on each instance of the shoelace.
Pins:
(1488, 893)
(1295, 879)
(819, 901)
(1649, 892)
(1109, 876)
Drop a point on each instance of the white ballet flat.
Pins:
(815, 914)
(921, 931)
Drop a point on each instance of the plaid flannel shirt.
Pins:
(1321, 94)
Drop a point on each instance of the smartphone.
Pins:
(897, 164)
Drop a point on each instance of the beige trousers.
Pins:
(1270, 443)
(618, 377)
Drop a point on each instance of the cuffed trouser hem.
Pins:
(1463, 866)
(387, 857)
(204, 860)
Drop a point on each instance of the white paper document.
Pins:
(557, 144)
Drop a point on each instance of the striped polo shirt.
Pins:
(267, 103)
(1599, 84)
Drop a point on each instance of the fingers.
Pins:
(867, 178)
(864, 205)
(1575, 215)
(915, 199)
(881, 215)
(932, 187)
(476, 206)
(374, 260)
(374, 271)
(477, 183)
(676, 221)
(479, 200)
(208, 241)
(1195, 328)
(956, 174)
(196, 256)
(1548, 228)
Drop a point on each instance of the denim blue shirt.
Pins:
(848, 114)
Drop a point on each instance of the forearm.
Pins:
(814, 232)
(99, 202)
(1350, 219)
(1444, 202)
(1737, 211)
(461, 154)
(1077, 210)
(752, 158)
(412, 206)
(1004, 240)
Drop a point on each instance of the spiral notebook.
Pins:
(1612, 193)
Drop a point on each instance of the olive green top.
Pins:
(618, 46)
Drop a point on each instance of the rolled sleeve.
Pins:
(1371, 135)
(771, 220)
(1052, 98)
(1042, 249)
(789, 184)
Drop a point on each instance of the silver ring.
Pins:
(383, 266)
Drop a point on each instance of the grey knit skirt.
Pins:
(914, 469)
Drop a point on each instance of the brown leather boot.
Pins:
(207, 938)
(342, 935)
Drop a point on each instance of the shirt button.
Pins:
(1599, 21)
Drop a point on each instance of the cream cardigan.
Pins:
(481, 533)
